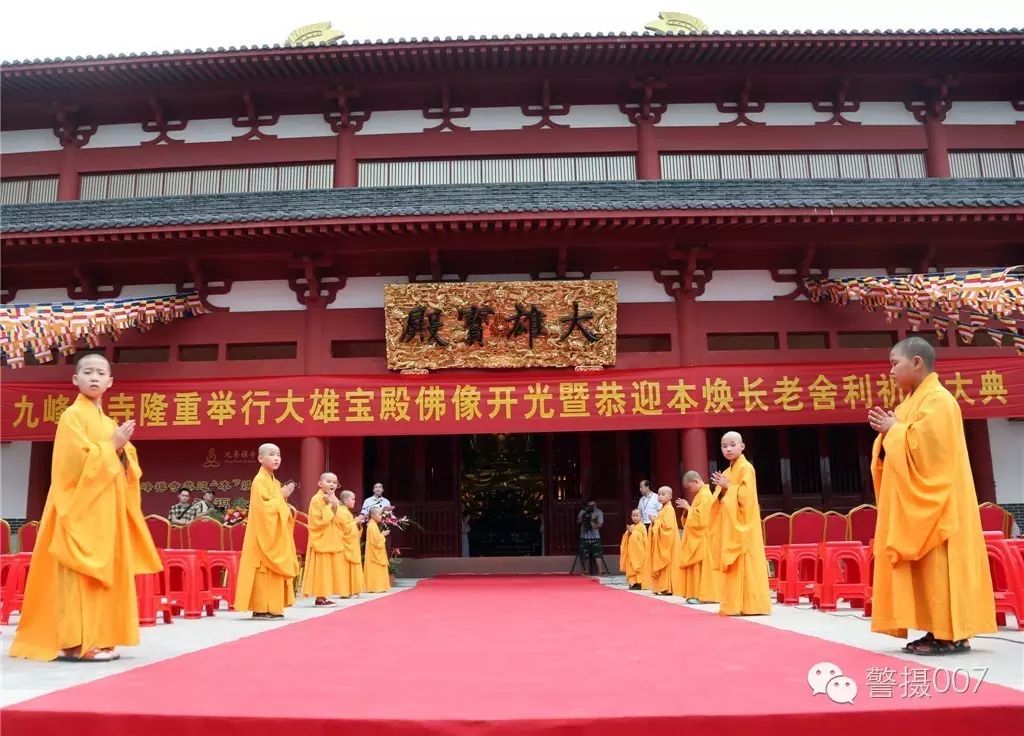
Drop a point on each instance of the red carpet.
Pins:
(548, 655)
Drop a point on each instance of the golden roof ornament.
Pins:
(315, 34)
(676, 23)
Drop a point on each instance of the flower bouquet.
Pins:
(237, 512)
(395, 562)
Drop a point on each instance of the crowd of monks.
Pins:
(719, 558)
(931, 570)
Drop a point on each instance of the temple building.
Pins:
(303, 216)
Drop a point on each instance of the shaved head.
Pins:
(267, 447)
(733, 436)
(91, 358)
(325, 476)
(917, 347)
(347, 494)
(692, 476)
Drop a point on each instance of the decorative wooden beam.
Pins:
(67, 129)
(343, 117)
(161, 125)
(253, 121)
(691, 278)
(202, 287)
(798, 276)
(7, 294)
(935, 100)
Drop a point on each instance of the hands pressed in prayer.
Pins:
(681, 503)
(287, 489)
(720, 480)
(881, 420)
(123, 434)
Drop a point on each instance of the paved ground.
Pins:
(995, 659)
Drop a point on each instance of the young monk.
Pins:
(352, 574)
(931, 567)
(700, 578)
(744, 579)
(325, 574)
(269, 564)
(664, 542)
(80, 595)
(376, 563)
(633, 554)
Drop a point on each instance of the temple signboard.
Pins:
(504, 324)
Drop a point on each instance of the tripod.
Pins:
(598, 557)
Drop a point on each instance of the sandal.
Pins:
(693, 601)
(938, 648)
(93, 655)
(323, 602)
(926, 639)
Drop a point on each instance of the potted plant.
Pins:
(394, 564)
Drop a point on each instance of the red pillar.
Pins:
(648, 157)
(38, 479)
(980, 452)
(937, 161)
(312, 462)
(346, 462)
(345, 168)
(665, 468)
(695, 451)
(312, 346)
(69, 180)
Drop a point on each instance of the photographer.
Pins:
(590, 520)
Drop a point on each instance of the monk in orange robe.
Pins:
(664, 542)
(931, 566)
(80, 600)
(700, 576)
(351, 530)
(268, 567)
(634, 556)
(376, 564)
(744, 578)
(325, 573)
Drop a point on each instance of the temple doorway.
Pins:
(502, 492)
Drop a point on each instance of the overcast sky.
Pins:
(53, 28)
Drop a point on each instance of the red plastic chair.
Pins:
(842, 574)
(14, 575)
(837, 527)
(301, 533)
(799, 568)
(807, 526)
(205, 533)
(27, 536)
(224, 566)
(190, 584)
(862, 523)
(995, 518)
(775, 528)
(1006, 563)
(5, 537)
(236, 536)
(151, 591)
(159, 530)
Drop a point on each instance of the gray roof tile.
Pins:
(482, 199)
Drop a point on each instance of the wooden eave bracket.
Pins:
(935, 101)
(85, 286)
(7, 294)
(343, 117)
(202, 287)
(562, 272)
(691, 278)
(742, 107)
(67, 129)
(311, 287)
(437, 273)
(253, 121)
(925, 264)
(161, 125)
(446, 113)
(646, 110)
(838, 105)
(798, 276)
(545, 110)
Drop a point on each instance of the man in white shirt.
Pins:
(376, 501)
(649, 505)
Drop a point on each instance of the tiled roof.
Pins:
(483, 199)
(711, 34)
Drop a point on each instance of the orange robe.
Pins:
(634, 556)
(92, 541)
(352, 575)
(664, 541)
(269, 564)
(700, 578)
(325, 573)
(376, 570)
(931, 567)
(744, 580)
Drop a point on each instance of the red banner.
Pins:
(528, 401)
